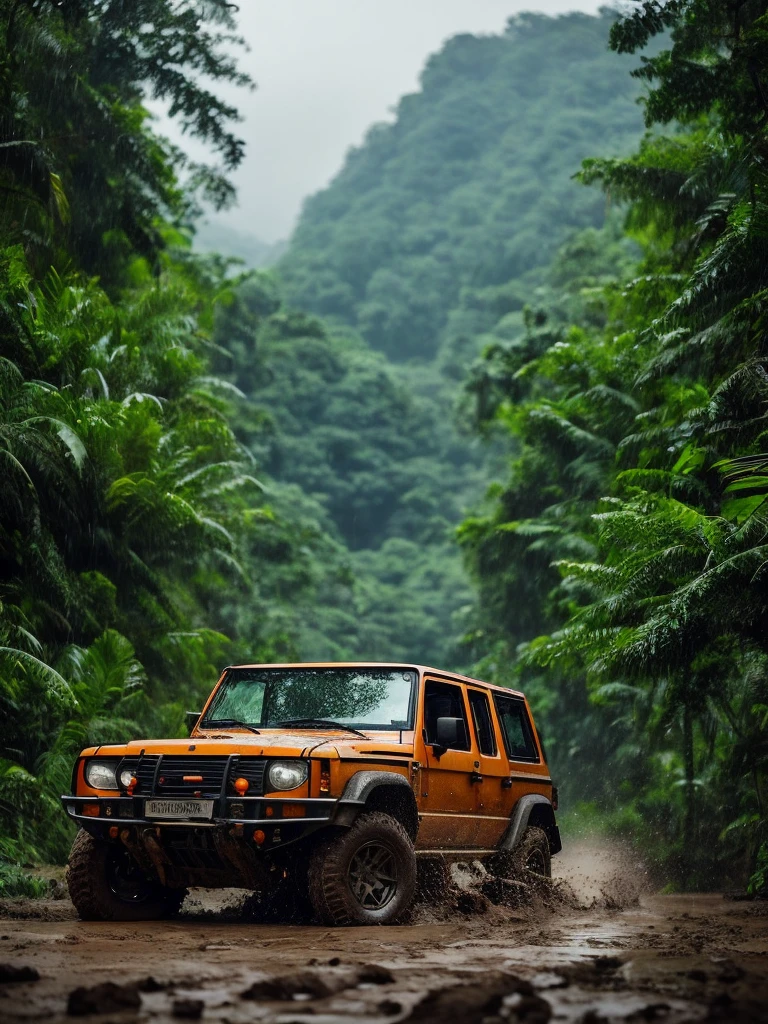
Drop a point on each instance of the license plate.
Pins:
(178, 809)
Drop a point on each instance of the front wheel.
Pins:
(106, 884)
(364, 875)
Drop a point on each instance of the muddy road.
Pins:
(605, 948)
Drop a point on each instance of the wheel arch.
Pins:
(532, 810)
(379, 791)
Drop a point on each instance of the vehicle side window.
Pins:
(481, 716)
(518, 735)
(443, 700)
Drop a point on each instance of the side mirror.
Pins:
(192, 718)
(448, 732)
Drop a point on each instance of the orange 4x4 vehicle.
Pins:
(323, 783)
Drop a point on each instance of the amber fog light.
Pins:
(259, 837)
(91, 810)
(241, 785)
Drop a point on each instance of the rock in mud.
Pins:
(725, 1010)
(150, 984)
(598, 972)
(105, 998)
(697, 974)
(374, 974)
(653, 1011)
(189, 1009)
(496, 998)
(287, 986)
(730, 972)
(10, 973)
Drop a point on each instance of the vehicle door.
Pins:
(492, 782)
(524, 763)
(447, 790)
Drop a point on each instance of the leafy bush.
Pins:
(15, 883)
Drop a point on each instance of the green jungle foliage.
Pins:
(622, 565)
(133, 526)
(198, 469)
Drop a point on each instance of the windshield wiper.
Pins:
(217, 722)
(321, 723)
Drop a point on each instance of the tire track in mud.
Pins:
(598, 946)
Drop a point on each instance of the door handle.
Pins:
(475, 777)
(506, 783)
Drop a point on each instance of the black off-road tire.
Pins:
(337, 871)
(531, 856)
(96, 897)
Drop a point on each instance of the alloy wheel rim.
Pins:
(372, 876)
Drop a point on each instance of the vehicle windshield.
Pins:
(360, 698)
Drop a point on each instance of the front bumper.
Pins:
(266, 823)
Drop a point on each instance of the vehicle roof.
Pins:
(428, 669)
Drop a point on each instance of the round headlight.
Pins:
(287, 774)
(126, 775)
(101, 775)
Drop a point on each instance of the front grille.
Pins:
(163, 775)
(204, 775)
(252, 769)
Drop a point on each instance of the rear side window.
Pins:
(481, 716)
(516, 727)
(442, 700)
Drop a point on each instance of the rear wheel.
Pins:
(365, 874)
(532, 853)
(106, 884)
(530, 856)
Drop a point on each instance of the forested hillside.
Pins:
(445, 219)
(438, 225)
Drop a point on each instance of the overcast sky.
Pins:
(326, 70)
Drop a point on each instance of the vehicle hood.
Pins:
(330, 743)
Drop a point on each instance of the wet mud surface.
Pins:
(599, 947)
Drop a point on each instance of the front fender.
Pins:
(381, 791)
(362, 784)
